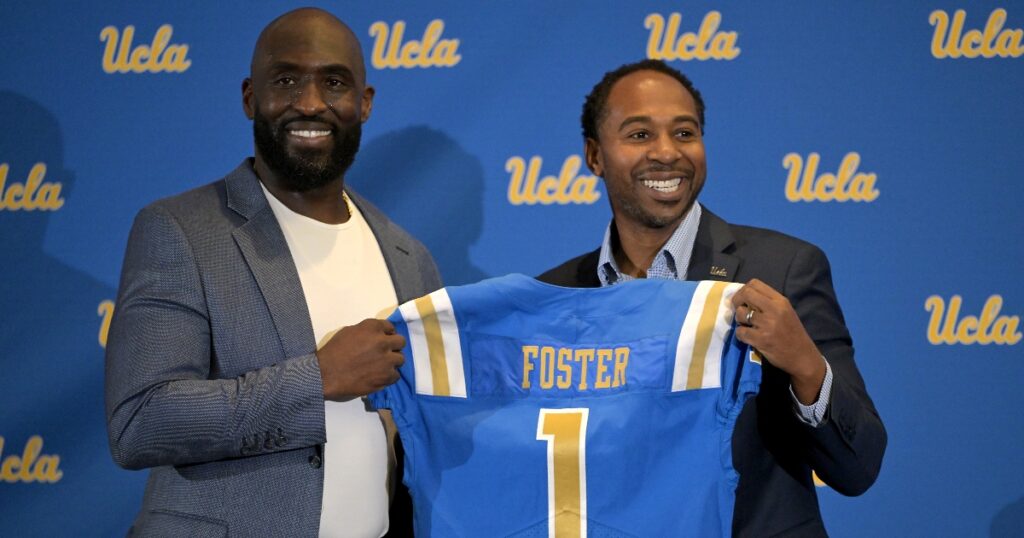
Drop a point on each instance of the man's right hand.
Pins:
(360, 359)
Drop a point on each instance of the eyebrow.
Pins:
(328, 68)
(647, 119)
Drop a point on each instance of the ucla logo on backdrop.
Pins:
(526, 187)
(106, 312)
(947, 327)
(431, 50)
(31, 466)
(707, 43)
(950, 41)
(121, 56)
(33, 194)
(804, 184)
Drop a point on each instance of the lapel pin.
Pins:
(719, 271)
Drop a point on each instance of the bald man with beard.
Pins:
(243, 339)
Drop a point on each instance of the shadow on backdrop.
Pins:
(423, 180)
(1009, 522)
(50, 351)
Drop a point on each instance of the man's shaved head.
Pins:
(307, 97)
(301, 25)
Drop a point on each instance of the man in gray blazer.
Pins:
(226, 373)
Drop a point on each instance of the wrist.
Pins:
(807, 383)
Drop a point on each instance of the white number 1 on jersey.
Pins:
(565, 431)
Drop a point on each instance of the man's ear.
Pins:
(367, 104)
(247, 104)
(592, 154)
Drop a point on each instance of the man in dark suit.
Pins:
(643, 134)
(241, 346)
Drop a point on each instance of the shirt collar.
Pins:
(671, 261)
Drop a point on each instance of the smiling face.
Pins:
(649, 150)
(308, 99)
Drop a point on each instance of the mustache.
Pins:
(660, 168)
(310, 119)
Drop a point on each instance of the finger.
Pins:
(758, 294)
(739, 313)
(765, 291)
(385, 326)
(396, 358)
(748, 295)
(743, 334)
(394, 342)
(744, 317)
(740, 297)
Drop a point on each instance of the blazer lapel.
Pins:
(394, 247)
(711, 259)
(266, 252)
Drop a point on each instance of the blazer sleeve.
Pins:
(164, 404)
(846, 450)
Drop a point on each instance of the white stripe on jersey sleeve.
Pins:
(418, 347)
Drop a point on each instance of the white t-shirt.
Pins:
(345, 281)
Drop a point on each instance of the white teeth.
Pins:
(310, 134)
(665, 185)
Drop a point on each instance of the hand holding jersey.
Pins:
(360, 359)
(766, 320)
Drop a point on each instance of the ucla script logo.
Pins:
(569, 187)
(950, 41)
(803, 183)
(665, 42)
(33, 194)
(988, 328)
(31, 466)
(389, 52)
(119, 56)
(105, 311)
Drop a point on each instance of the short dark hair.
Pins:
(594, 106)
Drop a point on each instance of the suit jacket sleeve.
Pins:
(846, 451)
(163, 403)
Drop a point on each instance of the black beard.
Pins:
(305, 170)
(649, 220)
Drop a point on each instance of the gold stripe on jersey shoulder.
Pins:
(705, 332)
(435, 345)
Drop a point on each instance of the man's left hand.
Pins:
(766, 320)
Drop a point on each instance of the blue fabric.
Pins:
(658, 463)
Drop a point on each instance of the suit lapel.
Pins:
(711, 259)
(266, 252)
(586, 274)
(394, 247)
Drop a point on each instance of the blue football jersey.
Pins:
(527, 409)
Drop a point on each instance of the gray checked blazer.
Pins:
(211, 377)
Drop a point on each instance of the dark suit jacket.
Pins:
(772, 450)
(211, 376)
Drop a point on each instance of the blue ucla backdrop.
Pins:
(887, 133)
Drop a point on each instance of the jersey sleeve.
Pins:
(433, 353)
(708, 354)
(706, 338)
